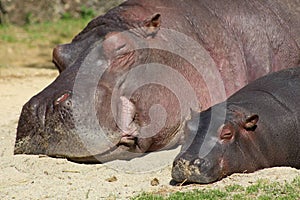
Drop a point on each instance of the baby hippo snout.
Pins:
(192, 169)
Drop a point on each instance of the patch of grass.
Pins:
(33, 43)
(196, 194)
(262, 190)
(2, 26)
(29, 18)
(234, 188)
(200, 194)
(8, 38)
(6, 34)
(253, 188)
(60, 29)
(87, 13)
(3, 66)
(238, 197)
(66, 15)
(52, 33)
(147, 196)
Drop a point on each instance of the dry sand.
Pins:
(36, 177)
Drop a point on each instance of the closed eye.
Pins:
(121, 47)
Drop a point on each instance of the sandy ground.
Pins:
(38, 177)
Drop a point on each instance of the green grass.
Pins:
(32, 44)
(262, 190)
(41, 33)
(3, 66)
(196, 194)
(87, 13)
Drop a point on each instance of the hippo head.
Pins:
(99, 108)
(218, 143)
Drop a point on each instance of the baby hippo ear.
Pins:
(250, 122)
(152, 24)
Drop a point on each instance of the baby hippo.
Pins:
(257, 127)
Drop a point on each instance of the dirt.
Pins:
(28, 71)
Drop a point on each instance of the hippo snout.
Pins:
(32, 121)
(186, 170)
(33, 118)
(39, 117)
(32, 105)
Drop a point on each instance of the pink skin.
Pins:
(125, 115)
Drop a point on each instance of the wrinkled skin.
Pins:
(259, 130)
(241, 40)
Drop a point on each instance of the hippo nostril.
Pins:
(32, 105)
(36, 109)
(68, 103)
(181, 163)
(197, 162)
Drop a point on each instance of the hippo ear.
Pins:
(152, 24)
(250, 122)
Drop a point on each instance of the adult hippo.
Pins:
(129, 79)
(257, 127)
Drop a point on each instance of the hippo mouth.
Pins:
(35, 139)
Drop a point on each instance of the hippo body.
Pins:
(128, 80)
(259, 129)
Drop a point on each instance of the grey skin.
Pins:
(240, 40)
(260, 129)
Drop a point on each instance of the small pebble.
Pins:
(155, 182)
(111, 179)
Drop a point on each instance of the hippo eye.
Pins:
(120, 48)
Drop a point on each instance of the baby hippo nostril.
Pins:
(64, 100)
(198, 162)
(181, 163)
